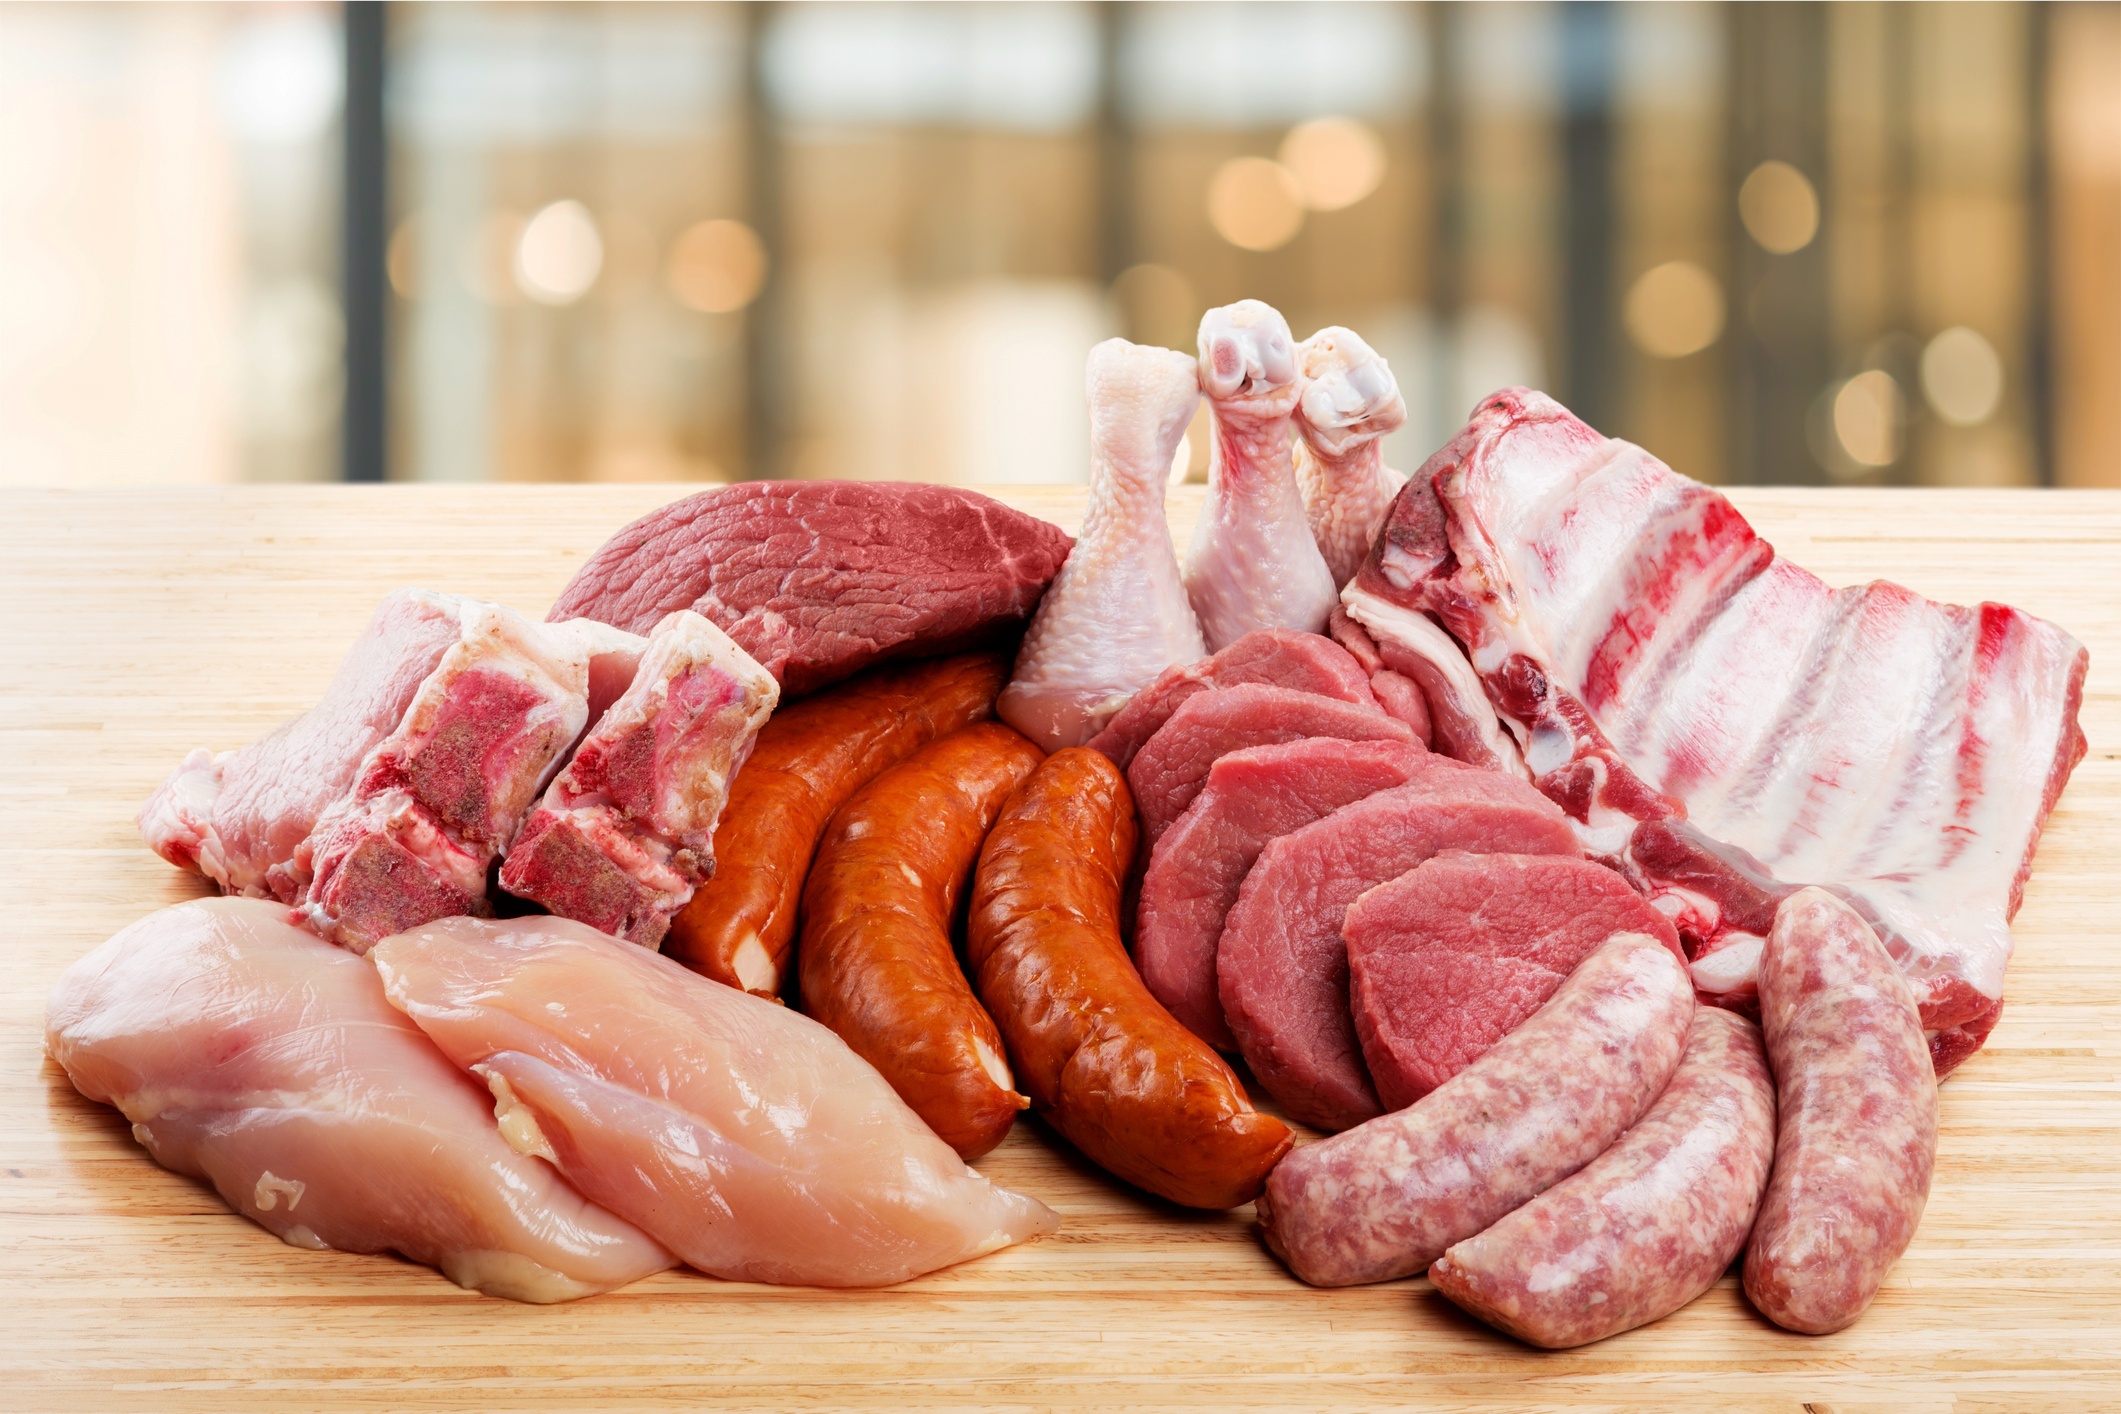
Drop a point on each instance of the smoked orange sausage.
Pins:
(1101, 1059)
(809, 758)
(876, 960)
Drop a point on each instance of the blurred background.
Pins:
(1846, 243)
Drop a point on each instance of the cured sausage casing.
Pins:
(1100, 1057)
(1386, 1198)
(1651, 1223)
(808, 759)
(1858, 1095)
(876, 961)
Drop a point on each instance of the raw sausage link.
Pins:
(1651, 1223)
(809, 758)
(1100, 1057)
(1859, 1117)
(876, 961)
(1385, 1198)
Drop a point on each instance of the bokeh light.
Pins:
(1255, 204)
(559, 254)
(1157, 305)
(716, 266)
(1674, 309)
(1779, 207)
(1336, 161)
(401, 258)
(1867, 418)
(1962, 377)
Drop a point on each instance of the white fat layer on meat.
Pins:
(271, 1188)
(517, 1121)
(1736, 964)
(1417, 633)
(1865, 737)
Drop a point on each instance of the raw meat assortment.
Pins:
(1250, 797)
(1386, 1199)
(1651, 1223)
(1660, 662)
(252, 1054)
(1116, 616)
(876, 959)
(625, 833)
(1281, 966)
(1350, 401)
(1104, 1064)
(1253, 563)
(1301, 662)
(745, 1137)
(1171, 769)
(740, 926)
(1448, 958)
(1399, 695)
(1858, 1098)
(384, 805)
(820, 579)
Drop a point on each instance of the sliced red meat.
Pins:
(1280, 965)
(819, 579)
(1448, 958)
(1251, 797)
(1302, 662)
(1169, 771)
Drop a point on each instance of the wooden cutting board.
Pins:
(135, 625)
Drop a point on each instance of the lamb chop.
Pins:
(1253, 563)
(625, 833)
(1722, 725)
(382, 806)
(1350, 402)
(1116, 615)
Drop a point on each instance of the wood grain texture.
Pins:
(134, 626)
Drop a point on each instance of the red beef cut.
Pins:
(1251, 797)
(1169, 771)
(1301, 662)
(1448, 958)
(820, 579)
(1281, 966)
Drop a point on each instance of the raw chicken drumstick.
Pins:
(1116, 616)
(1253, 564)
(1350, 402)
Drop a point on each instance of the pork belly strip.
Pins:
(1707, 712)
(819, 579)
(625, 832)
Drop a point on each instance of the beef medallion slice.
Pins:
(820, 579)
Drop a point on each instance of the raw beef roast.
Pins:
(1250, 797)
(1302, 662)
(1281, 966)
(819, 579)
(1170, 770)
(1399, 695)
(1688, 696)
(1446, 959)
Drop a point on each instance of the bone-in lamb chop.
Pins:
(1116, 615)
(1350, 403)
(1253, 563)
(1724, 726)
(625, 833)
(382, 806)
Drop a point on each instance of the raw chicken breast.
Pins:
(252, 1054)
(1253, 563)
(748, 1138)
(1116, 615)
(1350, 402)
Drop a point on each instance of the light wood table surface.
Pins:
(135, 625)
